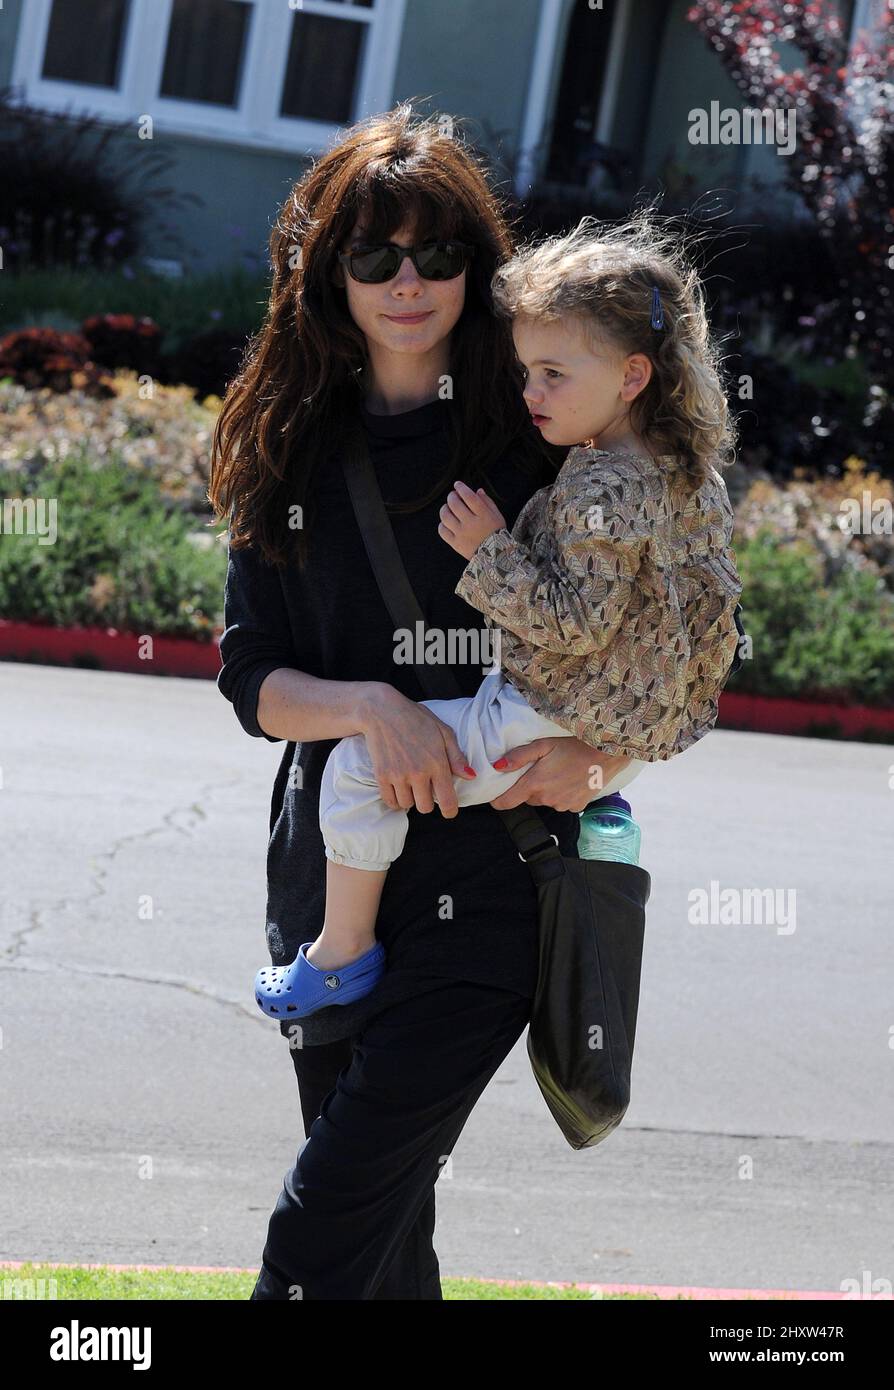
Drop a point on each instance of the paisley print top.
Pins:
(614, 594)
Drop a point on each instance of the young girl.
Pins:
(613, 597)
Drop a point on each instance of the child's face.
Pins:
(573, 390)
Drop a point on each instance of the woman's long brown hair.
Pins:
(299, 382)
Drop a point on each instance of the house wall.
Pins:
(473, 59)
(462, 58)
(686, 75)
(243, 188)
(9, 27)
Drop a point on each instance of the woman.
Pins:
(422, 366)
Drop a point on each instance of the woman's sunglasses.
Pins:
(436, 260)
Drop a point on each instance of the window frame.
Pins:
(540, 104)
(255, 122)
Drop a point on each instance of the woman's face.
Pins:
(407, 314)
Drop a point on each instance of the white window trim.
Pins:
(255, 122)
(541, 84)
(611, 86)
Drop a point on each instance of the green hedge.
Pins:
(813, 640)
(122, 556)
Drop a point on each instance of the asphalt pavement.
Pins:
(149, 1111)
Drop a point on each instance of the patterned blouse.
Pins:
(614, 595)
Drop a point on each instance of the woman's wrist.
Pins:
(372, 700)
(297, 706)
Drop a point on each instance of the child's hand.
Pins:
(467, 517)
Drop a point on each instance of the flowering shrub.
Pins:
(136, 551)
(165, 434)
(208, 361)
(122, 340)
(841, 166)
(833, 517)
(43, 357)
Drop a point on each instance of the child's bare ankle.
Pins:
(335, 947)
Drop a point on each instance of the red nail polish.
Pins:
(500, 763)
(471, 770)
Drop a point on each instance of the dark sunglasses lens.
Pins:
(374, 266)
(442, 261)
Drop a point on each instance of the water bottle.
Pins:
(608, 831)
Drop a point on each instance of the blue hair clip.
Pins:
(657, 310)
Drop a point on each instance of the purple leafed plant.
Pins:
(841, 166)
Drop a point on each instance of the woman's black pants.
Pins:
(382, 1111)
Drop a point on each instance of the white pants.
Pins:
(361, 831)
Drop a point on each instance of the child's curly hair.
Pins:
(603, 276)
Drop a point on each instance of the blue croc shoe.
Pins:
(300, 989)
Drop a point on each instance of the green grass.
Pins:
(474, 1289)
(73, 1282)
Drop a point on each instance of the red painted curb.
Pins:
(662, 1290)
(771, 715)
(108, 649)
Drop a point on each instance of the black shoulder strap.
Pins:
(738, 660)
(524, 823)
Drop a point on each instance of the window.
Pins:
(321, 73)
(84, 41)
(270, 73)
(205, 50)
(578, 95)
(578, 134)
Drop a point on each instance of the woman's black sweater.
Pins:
(459, 903)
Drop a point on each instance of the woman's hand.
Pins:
(565, 774)
(414, 755)
(468, 517)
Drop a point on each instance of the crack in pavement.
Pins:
(183, 820)
(37, 915)
(168, 981)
